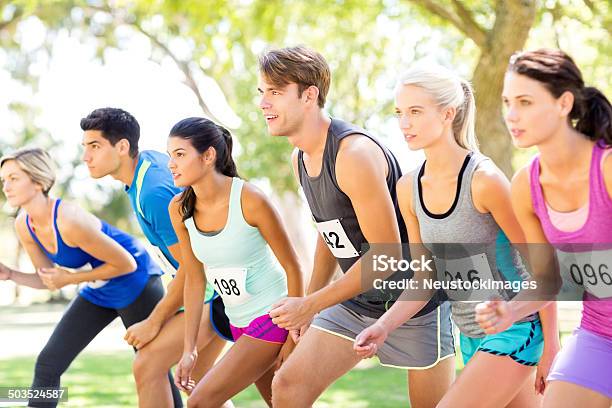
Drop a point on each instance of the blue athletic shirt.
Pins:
(150, 194)
(115, 293)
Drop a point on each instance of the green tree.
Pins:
(222, 41)
(498, 29)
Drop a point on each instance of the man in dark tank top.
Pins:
(349, 180)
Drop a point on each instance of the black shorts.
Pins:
(219, 320)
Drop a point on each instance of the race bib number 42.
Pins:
(589, 270)
(336, 239)
(230, 283)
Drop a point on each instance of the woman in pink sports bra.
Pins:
(563, 198)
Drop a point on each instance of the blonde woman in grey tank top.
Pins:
(460, 196)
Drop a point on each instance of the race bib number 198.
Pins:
(230, 283)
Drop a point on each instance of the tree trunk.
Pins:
(513, 20)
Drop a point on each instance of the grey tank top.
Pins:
(337, 222)
(471, 233)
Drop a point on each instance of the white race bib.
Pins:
(230, 283)
(337, 241)
(95, 284)
(163, 261)
(469, 269)
(590, 271)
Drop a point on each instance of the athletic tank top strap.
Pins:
(597, 184)
(537, 196)
(60, 241)
(234, 214)
(463, 191)
(338, 130)
(58, 236)
(473, 161)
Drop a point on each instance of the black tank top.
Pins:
(336, 220)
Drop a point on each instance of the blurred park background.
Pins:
(166, 60)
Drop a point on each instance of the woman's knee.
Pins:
(206, 397)
(148, 364)
(283, 383)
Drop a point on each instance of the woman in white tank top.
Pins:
(228, 229)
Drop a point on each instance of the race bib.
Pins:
(336, 239)
(230, 283)
(590, 271)
(471, 269)
(95, 284)
(164, 262)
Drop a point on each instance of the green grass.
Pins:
(105, 380)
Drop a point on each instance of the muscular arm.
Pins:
(405, 309)
(78, 227)
(195, 280)
(173, 300)
(324, 267)
(491, 192)
(361, 170)
(260, 213)
(539, 253)
(324, 264)
(36, 255)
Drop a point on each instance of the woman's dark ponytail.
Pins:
(226, 164)
(187, 202)
(595, 120)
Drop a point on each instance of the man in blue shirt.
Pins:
(110, 142)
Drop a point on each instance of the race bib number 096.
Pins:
(589, 270)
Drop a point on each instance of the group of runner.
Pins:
(238, 278)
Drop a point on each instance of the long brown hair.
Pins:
(591, 114)
(203, 134)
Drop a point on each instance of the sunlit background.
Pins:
(164, 61)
